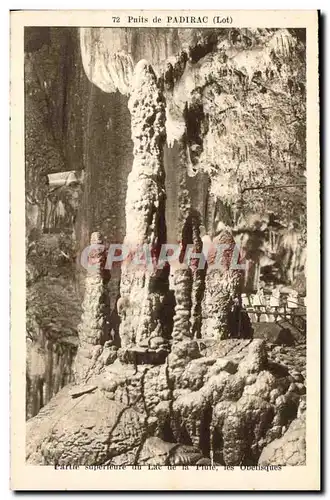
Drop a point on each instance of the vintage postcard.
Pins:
(165, 242)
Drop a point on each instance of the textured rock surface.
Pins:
(87, 430)
(182, 284)
(68, 125)
(237, 403)
(274, 333)
(222, 287)
(158, 452)
(142, 287)
(93, 329)
(109, 56)
(294, 358)
(216, 83)
(226, 407)
(49, 368)
(290, 449)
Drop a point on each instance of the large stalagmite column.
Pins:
(142, 288)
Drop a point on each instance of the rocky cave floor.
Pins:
(228, 402)
(294, 357)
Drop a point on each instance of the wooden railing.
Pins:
(267, 308)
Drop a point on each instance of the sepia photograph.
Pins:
(165, 180)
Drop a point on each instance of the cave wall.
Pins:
(55, 94)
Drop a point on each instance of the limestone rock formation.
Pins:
(182, 284)
(93, 330)
(218, 82)
(190, 114)
(142, 286)
(155, 451)
(49, 368)
(236, 401)
(227, 407)
(89, 430)
(274, 333)
(290, 449)
(222, 287)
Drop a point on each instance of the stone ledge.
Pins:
(142, 356)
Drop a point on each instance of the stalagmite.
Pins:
(198, 286)
(142, 286)
(188, 280)
(92, 330)
(189, 283)
(222, 285)
(182, 292)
